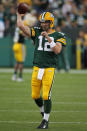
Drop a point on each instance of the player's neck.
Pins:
(50, 31)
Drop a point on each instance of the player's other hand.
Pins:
(44, 33)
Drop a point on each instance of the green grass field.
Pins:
(18, 111)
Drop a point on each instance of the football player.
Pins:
(48, 44)
(19, 53)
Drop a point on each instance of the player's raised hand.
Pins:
(20, 24)
(18, 15)
(19, 20)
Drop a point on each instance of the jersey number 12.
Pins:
(46, 44)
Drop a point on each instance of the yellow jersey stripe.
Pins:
(33, 32)
(62, 40)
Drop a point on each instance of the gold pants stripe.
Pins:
(51, 86)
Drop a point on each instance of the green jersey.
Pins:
(44, 57)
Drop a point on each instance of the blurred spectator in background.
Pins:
(29, 2)
(82, 42)
(1, 12)
(80, 46)
(85, 50)
(67, 6)
(12, 20)
(85, 15)
(53, 4)
(2, 24)
(2, 28)
(9, 17)
(41, 6)
(80, 17)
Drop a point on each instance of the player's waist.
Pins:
(41, 65)
(22, 43)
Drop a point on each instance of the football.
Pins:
(23, 8)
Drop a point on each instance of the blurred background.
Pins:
(70, 18)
